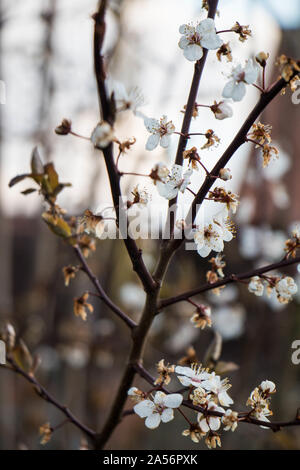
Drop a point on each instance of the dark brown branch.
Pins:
(103, 296)
(139, 336)
(45, 395)
(107, 114)
(227, 280)
(243, 417)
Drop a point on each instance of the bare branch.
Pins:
(45, 395)
(107, 111)
(103, 296)
(227, 280)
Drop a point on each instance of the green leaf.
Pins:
(18, 178)
(60, 187)
(28, 191)
(58, 225)
(52, 176)
(22, 356)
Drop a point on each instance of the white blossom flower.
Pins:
(230, 420)
(219, 387)
(210, 423)
(222, 110)
(285, 289)
(174, 182)
(202, 317)
(160, 132)
(267, 386)
(213, 234)
(102, 135)
(195, 38)
(141, 196)
(209, 238)
(225, 174)
(259, 402)
(236, 87)
(125, 100)
(161, 409)
(256, 286)
(132, 391)
(191, 376)
(136, 395)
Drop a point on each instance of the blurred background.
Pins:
(46, 65)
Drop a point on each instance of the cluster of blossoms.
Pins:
(170, 182)
(289, 68)
(260, 135)
(160, 132)
(218, 229)
(239, 78)
(208, 393)
(159, 409)
(216, 272)
(293, 243)
(206, 390)
(213, 234)
(195, 38)
(285, 287)
(141, 197)
(202, 317)
(259, 400)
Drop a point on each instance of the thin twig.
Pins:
(45, 395)
(103, 296)
(107, 114)
(227, 280)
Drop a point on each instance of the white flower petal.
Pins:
(182, 370)
(152, 141)
(144, 408)
(251, 72)
(185, 381)
(153, 421)
(214, 423)
(204, 251)
(228, 89)
(167, 415)
(173, 400)
(167, 190)
(239, 91)
(165, 141)
(151, 124)
(211, 42)
(183, 42)
(203, 425)
(159, 398)
(193, 52)
(225, 399)
(186, 29)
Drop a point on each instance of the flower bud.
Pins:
(64, 128)
(262, 58)
(225, 174)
